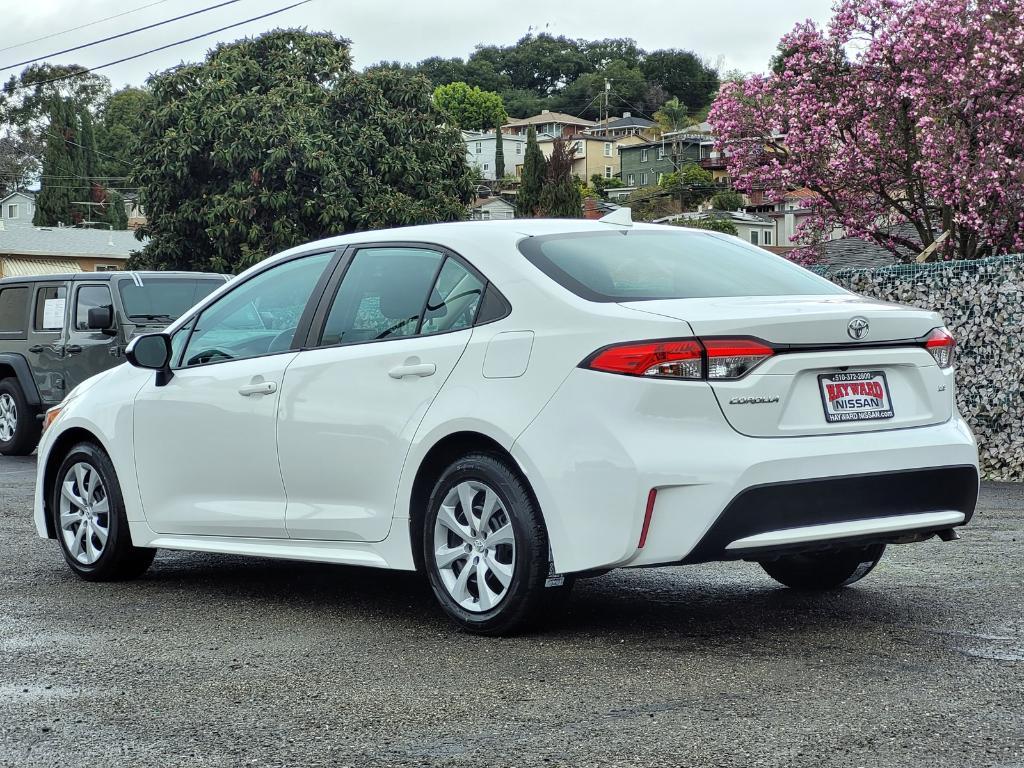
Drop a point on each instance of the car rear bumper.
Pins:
(835, 511)
(604, 442)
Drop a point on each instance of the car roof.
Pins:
(109, 275)
(476, 234)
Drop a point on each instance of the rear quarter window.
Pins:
(13, 309)
(638, 265)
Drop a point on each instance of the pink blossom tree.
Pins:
(900, 112)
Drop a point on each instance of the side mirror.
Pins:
(152, 351)
(100, 319)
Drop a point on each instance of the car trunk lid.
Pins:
(822, 379)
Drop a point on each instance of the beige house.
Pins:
(591, 155)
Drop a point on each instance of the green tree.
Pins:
(727, 200)
(499, 154)
(274, 141)
(691, 185)
(601, 185)
(560, 197)
(120, 121)
(585, 94)
(116, 215)
(683, 75)
(672, 115)
(712, 223)
(534, 171)
(650, 203)
(61, 183)
(470, 108)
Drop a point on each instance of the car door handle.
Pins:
(261, 388)
(35, 349)
(415, 369)
(72, 349)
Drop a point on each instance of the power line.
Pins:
(82, 72)
(121, 34)
(82, 26)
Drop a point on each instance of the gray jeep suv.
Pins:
(58, 330)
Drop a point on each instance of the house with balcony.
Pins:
(547, 124)
(591, 155)
(481, 151)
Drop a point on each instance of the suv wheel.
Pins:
(485, 547)
(90, 521)
(19, 427)
(824, 570)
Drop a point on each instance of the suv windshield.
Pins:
(641, 265)
(163, 298)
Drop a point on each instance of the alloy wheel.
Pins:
(8, 417)
(84, 513)
(474, 546)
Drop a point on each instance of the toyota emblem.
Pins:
(858, 328)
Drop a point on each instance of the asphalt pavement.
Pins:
(227, 661)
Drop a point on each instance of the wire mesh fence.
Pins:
(982, 303)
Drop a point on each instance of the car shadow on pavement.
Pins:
(700, 603)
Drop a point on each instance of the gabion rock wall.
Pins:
(983, 305)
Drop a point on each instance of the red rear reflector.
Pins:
(941, 344)
(734, 358)
(670, 359)
(651, 497)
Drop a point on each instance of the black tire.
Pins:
(526, 600)
(27, 427)
(824, 570)
(118, 560)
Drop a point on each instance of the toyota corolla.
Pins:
(509, 406)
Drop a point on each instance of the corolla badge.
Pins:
(858, 328)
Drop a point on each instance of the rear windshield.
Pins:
(163, 298)
(638, 265)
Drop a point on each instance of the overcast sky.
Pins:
(739, 34)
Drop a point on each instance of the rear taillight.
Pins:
(734, 358)
(687, 359)
(942, 345)
(681, 359)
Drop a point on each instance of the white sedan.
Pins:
(508, 406)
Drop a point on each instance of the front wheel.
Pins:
(485, 547)
(824, 570)
(90, 521)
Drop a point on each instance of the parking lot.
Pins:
(226, 661)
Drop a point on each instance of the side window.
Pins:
(259, 317)
(89, 297)
(13, 309)
(454, 300)
(382, 295)
(178, 340)
(49, 312)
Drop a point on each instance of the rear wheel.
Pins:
(19, 427)
(485, 548)
(90, 521)
(824, 570)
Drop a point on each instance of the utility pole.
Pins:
(604, 111)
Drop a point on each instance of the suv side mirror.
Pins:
(100, 318)
(152, 351)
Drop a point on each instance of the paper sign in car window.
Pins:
(53, 314)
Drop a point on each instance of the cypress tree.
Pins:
(499, 155)
(62, 169)
(89, 164)
(116, 215)
(530, 186)
(560, 197)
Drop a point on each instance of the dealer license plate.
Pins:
(861, 396)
